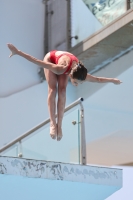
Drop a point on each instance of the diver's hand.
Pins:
(116, 81)
(74, 82)
(13, 50)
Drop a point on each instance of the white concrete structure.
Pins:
(97, 182)
(126, 192)
(21, 23)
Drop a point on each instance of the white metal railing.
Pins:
(82, 137)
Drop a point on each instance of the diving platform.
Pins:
(56, 180)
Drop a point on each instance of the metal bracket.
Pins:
(74, 122)
(51, 12)
(75, 37)
(20, 155)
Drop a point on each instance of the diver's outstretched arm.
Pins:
(91, 78)
(57, 69)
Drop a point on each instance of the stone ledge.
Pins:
(61, 171)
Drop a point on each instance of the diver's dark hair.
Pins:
(79, 72)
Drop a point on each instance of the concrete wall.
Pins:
(80, 17)
(21, 23)
(57, 25)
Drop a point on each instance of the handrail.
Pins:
(83, 150)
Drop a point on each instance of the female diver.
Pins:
(58, 66)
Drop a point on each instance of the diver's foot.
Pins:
(53, 131)
(59, 134)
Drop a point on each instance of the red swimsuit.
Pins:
(54, 59)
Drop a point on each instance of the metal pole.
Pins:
(20, 155)
(82, 137)
(68, 24)
(128, 4)
(46, 45)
